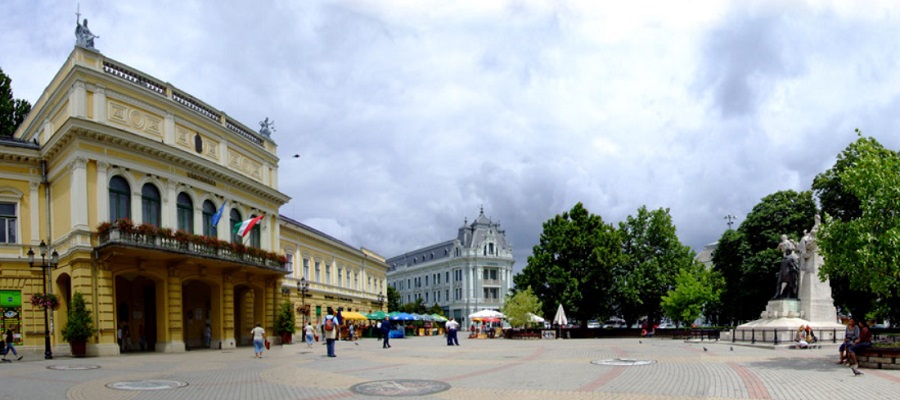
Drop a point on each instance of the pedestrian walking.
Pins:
(259, 339)
(330, 328)
(310, 334)
(386, 333)
(10, 348)
(207, 336)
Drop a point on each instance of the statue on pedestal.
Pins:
(789, 274)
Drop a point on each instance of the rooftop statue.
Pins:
(83, 36)
(266, 128)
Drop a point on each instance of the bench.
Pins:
(879, 358)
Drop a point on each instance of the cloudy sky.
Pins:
(409, 116)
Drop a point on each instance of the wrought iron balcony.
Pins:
(188, 245)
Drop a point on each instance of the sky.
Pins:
(411, 116)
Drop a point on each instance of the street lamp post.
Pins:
(54, 261)
(302, 288)
(380, 301)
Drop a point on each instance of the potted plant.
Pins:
(284, 322)
(79, 327)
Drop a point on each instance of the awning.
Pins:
(353, 315)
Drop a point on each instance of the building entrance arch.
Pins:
(248, 310)
(201, 314)
(138, 301)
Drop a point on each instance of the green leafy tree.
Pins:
(696, 290)
(417, 307)
(393, 299)
(519, 306)
(572, 264)
(653, 255)
(840, 204)
(728, 262)
(866, 250)
(12, 111)
(435, 309)
(284, 320)
(754, 246)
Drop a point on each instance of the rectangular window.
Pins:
(356, 280)
(426, 297)
(318, 273)
(340, 280)
(306, 268)
(8, 223)
(426, 280)
(328, 274)
(290, 263)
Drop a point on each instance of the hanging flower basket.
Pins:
(45, 300)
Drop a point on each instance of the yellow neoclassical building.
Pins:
(121, 176)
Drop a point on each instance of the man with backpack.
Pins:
(329, 327)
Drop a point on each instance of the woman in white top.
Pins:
(259, 339)
(310, 333)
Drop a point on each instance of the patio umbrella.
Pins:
(439, 318)
(534, 318)
(560, 319)
(401, 316)
(487, 314)
(377, 315)
(353, 316)
(489, 319)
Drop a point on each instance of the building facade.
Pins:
(122, 176)
(469, 273)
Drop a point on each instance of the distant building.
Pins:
(469, 273)
(705, 255)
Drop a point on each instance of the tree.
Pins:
(728, 262)
(393, 299)
(573, 263)
(653, 256)
(414, 307)
(519, 306)
(12, 111)
(753, 247)
(866, 250)
(696, 290)
(840, 204)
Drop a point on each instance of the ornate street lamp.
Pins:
(54, 261)
(302, 288)
(380, 301)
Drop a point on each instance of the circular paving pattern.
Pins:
(149, 384)
(73, 367)
(400, 387)
(622, 362)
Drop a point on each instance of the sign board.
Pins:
(10, 298)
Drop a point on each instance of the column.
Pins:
(174, 340)
(100, 104)
(227, 332)
(77, 195)
(102, 191)
(34, 207)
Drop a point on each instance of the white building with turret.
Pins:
(469, 273)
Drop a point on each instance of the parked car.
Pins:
(615, 323)
(593, 324)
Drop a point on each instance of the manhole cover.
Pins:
(73, 367)
(622, 362)
(151, 384)
(400, 387)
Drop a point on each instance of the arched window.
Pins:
(185, 212)
(150, 204)
(235, 218)
(208, 211)
(119, 199)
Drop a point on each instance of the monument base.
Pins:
(778, 326)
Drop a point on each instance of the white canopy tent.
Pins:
(535, 318)
(487, 314)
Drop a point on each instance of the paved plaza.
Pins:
(425, 367)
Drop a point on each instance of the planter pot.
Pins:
(286, 338)
(79, 348)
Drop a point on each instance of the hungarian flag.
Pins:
(243, 228)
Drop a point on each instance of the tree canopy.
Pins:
(866, 250)
(753, 248)
(652, 257)
(518, 307)
(696, 290)
(12, 111)
(573, 264)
